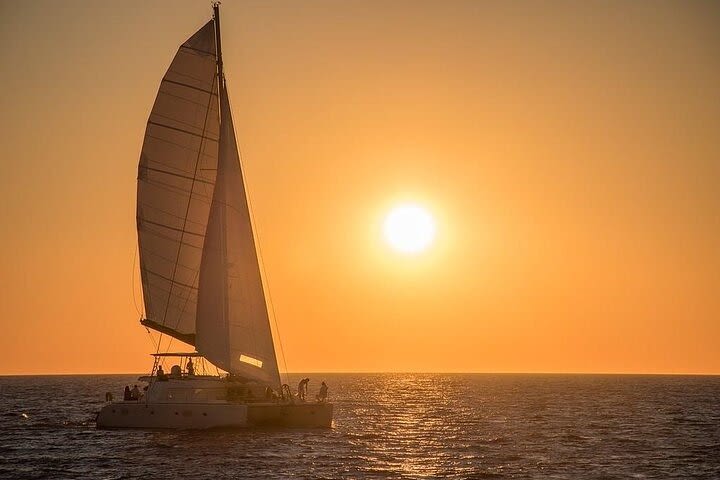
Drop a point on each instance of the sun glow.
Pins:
(409, 228)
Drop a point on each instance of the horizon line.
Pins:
(696, 374)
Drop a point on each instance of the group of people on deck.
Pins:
(175, 371)
(303, 388)
(269, 393)
(129, 395)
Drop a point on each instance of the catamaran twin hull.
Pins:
(213, 415)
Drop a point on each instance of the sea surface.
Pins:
(388, 426)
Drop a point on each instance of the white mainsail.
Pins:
(198, 258)
(233, 328)
(175, 184)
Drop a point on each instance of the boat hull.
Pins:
(201, 416)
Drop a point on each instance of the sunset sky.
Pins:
(569, 152)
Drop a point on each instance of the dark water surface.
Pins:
(388, 426)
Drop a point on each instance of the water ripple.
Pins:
(389, 426)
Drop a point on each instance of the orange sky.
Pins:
(569, 151)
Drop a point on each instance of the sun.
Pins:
(409, 228)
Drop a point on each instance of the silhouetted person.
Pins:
(322, 396)
(190, 367)
(161, 374)
(285, 393)
(302, 388)
(135, 393)
(126, 394)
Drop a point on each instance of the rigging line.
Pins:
(187, 300)
(150, 337)
(260, 257)
(187, 210)
(132, 283)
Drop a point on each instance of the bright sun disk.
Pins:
(409, 228)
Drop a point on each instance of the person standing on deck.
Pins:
(302, 388)
(190, 368)
(322, 396)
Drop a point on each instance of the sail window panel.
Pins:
(251, 360)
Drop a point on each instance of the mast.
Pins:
(216, 17)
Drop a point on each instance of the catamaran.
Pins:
(201, 276)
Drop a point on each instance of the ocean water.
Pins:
(388, 426)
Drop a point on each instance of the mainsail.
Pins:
(175, 184)
(198, 258)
